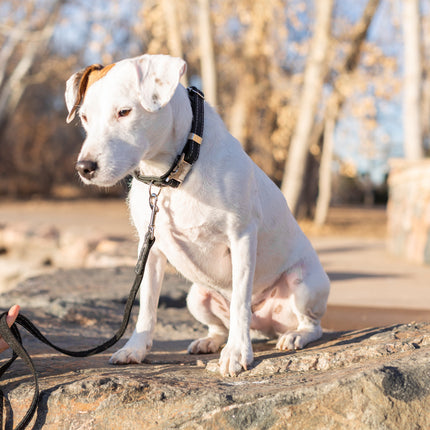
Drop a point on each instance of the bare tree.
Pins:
(323, 131)
(295, 166)
(412, 81)
(12, 85)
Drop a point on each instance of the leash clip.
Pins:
(153, 199)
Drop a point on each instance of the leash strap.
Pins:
(189, 155)
(12, 336)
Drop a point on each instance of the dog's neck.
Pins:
(172, 137)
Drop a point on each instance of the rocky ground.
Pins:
(72, 279)
(375, 378)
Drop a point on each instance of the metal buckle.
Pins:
(181, 170)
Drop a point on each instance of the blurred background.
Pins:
(319, 93)
(330, 98)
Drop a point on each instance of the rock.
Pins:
(375, 378)
(408, 209)
(111, 252)
(27, 250)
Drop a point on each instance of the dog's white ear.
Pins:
(158, 77)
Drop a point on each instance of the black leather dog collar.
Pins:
(189, 155)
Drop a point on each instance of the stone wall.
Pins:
(408, 233)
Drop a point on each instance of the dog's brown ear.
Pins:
(158, 77)
(76, 86)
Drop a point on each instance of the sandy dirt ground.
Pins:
(369, 286)
(111, 216)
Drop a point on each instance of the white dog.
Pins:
(227, 227)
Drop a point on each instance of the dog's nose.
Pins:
(86, 168)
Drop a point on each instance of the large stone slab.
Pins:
(370, 379)
(375, 378)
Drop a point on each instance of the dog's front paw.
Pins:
(234, 358)
(134, 351)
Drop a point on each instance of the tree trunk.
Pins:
(207, 55)
(425, 111)
(311, 95)
(324, 183)
(174, 40)
(238, 114)
(240, 108)
(412, 81)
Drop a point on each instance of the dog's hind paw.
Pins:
(298, 339)
(290, 341)
(206, 345)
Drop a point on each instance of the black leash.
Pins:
(13, 338)
(173, 178)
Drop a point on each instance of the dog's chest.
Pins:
(200, 256)
(199, 252)
(191, 236)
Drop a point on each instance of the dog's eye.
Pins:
(123, 112)
(84, 117)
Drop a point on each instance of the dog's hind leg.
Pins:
(309, 299)
(212, 310)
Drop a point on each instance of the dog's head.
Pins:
(123, 108)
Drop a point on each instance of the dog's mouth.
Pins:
(91, 173)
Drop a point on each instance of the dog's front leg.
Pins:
(237, 353)
(135, 350)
